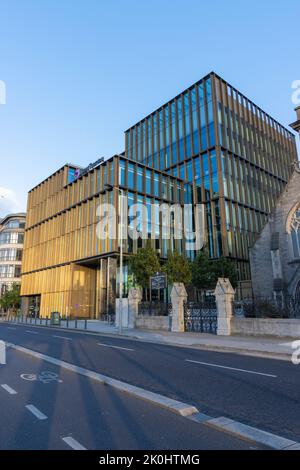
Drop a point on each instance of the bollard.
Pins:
(26, 319)
(41, 320)
(2, 353)
(35, 319)
(47, 320)
(67, 322)
(76, 322)
(85, 324)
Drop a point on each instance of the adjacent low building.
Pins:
(275, 256)
(12, 228)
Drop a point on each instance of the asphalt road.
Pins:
(260, 392)
(43, 406)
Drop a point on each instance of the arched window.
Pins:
(297, 291)
(295, 233)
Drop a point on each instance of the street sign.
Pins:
(158, 281)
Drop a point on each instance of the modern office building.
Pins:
(237, 157)
(209, 145)
(12, 229)
(68, 267)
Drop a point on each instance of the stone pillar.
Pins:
(224, 294)
(135, 295)
(24, 305)
(123, 314)
(178, 297)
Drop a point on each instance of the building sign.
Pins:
(90, 167)
(158, 281)
(75, 173)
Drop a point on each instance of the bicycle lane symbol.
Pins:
(44, 377)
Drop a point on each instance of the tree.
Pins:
(224, 267)
(144, 264)
(205, 271)
(11, 299)
(203, 275)
(177, 268)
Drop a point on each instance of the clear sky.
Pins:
(80, 72)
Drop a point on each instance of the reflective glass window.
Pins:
(122, 172)
(140, 182)
(130, 177)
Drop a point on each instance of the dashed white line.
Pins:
(32, 332)
(10, 390)
(11, 328)
(112, 346)
(37, 413)
(231, 368)
(62, 337)
(73, 443)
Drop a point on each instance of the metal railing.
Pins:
(201, 317)
(264, 307)
(154, 308)
(64, 323)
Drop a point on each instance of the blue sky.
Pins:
(78, 73)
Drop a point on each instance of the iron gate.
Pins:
(201, 317)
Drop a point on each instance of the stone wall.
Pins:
(145, 322)
(271, 257)
(266, 327)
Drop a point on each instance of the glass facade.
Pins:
(236, 156)
(177, 131)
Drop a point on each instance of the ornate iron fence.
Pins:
(201, 317)
(261, 307)
(155, 308)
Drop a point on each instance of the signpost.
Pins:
(158, 281)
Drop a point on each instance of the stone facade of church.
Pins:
(275, 256)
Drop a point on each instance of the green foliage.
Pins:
(177, 268)
(144, 264)
(224, 267)
(11, 299)
(205, 271)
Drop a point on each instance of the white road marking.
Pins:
(289, 344)
(32, 332)
(73, 443)
(11, 328)
(117, 347)
(10, 390)
(37, 413)
(231, 368)
(62, 337)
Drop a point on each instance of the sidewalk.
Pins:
(271, 347)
